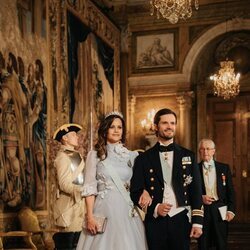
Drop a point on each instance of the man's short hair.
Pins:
(162, 112)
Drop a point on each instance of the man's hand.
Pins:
(163, 209)
(229, 216)
(207, 200)
(196, 232)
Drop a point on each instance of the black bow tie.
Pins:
(170, 147)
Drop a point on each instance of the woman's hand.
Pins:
(145, 200)
(91, 225)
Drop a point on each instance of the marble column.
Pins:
(184, 100)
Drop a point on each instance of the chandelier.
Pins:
(173, 10)
(226, 83)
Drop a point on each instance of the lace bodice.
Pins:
(97, 178)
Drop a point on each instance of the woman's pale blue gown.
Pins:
(123, 232)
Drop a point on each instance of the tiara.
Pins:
(113, 113)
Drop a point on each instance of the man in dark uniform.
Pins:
(171, 176)
(218, 198)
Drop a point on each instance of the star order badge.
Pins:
(188, 180)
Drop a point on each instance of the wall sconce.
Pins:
(148, 123)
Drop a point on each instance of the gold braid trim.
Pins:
(198, 212)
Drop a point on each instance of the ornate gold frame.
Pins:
(91, 16)
(142, 40)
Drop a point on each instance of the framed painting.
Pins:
(154, 51)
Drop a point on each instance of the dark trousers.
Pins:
(215, 230)
(66, 240)
(168, 233)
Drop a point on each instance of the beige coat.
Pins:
(68, 209)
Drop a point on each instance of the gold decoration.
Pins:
(226, 83)
(148, 123)
(173, 10)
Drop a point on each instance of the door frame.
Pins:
(241, 170)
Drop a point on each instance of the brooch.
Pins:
(223, 177)
(188, 180)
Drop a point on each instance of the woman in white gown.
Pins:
(105, 197)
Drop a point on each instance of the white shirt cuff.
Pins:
(155, 211)
(197, 225)
(231, 213)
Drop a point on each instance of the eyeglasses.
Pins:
(206, 149)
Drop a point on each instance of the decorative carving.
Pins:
(235, 40)
(58, 49)
(63, 56)
(89, 14)
(196, 31)
(78, 5)
(184, 99)
(98, 22)
(126, 38)
(53, 8)
(235, 47)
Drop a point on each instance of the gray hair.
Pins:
(207, 140)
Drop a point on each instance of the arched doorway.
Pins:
(226, 122)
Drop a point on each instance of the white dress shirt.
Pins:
(168, 193)
(209, 175)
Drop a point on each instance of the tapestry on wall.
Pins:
(23, 114)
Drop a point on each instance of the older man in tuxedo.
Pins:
(218, 198)
(171, 176)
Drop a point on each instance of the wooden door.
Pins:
(229, 126)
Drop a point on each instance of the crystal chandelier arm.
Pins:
(172, 10)
(226, 83)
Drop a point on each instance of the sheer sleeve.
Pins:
(90, 182)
